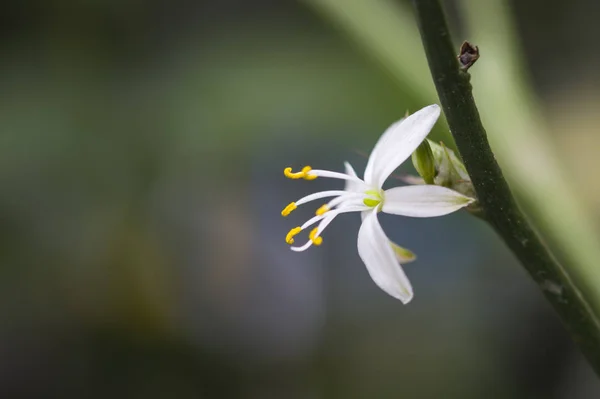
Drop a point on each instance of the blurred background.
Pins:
(142, 145)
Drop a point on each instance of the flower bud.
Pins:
(402, 254)
(451, 172)
(424, 162)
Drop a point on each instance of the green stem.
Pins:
(454, 90)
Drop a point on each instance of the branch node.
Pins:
(468, 55)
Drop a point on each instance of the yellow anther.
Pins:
(289, 238)
(303, 174)
(306, 176)
(290, 175)
(288, 209)
(315, 240)
(322, 210)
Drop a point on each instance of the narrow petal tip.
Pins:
(433, 108)
(398, 142)
(424, 201)
(381, 260)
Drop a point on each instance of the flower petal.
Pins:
(423, 201)
(349, 169)
(379, 149)
(378, 256)
(398, 143)
(403, 255)
(350, 184)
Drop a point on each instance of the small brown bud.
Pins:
(469, 54)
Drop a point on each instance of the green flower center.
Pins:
(373, 202)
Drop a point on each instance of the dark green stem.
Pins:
(501, 211)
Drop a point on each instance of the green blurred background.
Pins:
(142, 145)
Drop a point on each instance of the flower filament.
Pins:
(364, 198)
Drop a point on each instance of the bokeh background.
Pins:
(142, 249)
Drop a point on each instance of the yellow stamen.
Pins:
(306, 176)
(322, 210)
(303, 174)
(288, 209)
(288, 173)
(289, 238)
(315, 240)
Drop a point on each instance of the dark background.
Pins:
(142, 249)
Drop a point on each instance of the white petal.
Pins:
(376, 252)
(410, 179)
(423, 201)
(350, 184)
(379, 149)
(349, 169)
(403, 138)
(403, 255)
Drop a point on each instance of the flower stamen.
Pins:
(322, 210)
(324, 222)
(289, 238)
(303, 174)
(288, 209)
(312, 236)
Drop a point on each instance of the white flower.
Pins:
(379, 255)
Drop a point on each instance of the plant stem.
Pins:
(501, 211)
(516, 127)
